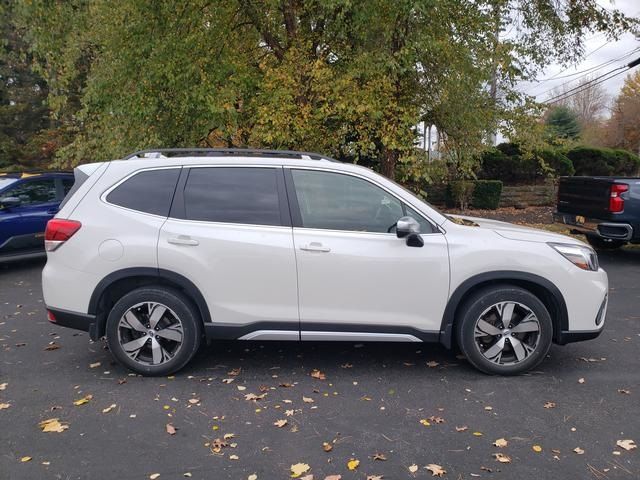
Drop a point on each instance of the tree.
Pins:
(352, 79)
(23, 94)
(623, 128)
(562, 123)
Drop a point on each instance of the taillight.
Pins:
(616, 202)
(59, 231)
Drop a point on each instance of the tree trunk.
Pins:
(388, 163)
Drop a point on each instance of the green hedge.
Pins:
(507, 162)
(486, 194)
(604, 161)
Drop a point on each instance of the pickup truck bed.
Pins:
(606, 209)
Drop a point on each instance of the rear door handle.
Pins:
(183, 240)
(315, 247)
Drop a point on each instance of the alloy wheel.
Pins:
(150, 333)
(507, 333)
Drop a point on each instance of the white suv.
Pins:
(168, 248)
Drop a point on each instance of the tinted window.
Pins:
(67, 185)
(149, 192)
(341, 202)
(33, 192)
(233, 195)
(425, 227)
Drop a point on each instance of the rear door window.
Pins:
(150, 191)
(33, 192)
(247, 195)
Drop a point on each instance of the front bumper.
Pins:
(601, 228)
(77, 321)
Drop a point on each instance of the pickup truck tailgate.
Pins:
(587, 196)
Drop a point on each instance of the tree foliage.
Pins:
(562, 123)
(623, 128)
(352, 79)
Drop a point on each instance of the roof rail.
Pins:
(225, 152)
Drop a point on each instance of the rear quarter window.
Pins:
(150, 191)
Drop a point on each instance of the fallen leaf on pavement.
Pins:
(83, 400)
(25, 459)
(327, 447)
(194, 401)
(463, 428)
(171, 430)
(432, 364)
(626, 444)
(153, 476)
(253, 476)
(537, 448)
(3, 386)
(353, 464)
(501, 442)
(380, 456)
(581, 380)
(4, 406)
(254, 397)
(624, 391)
(280, 423)
(234, 457)
(53, 425)
(307, 399)
(578, 450)
(242, 388)
(477, 434)
(298, 469)
(51, 346)
(436, 470)
(502, 458)
(425, 422)
(550, 405)
(373, 477)
(318, 374)
(109, 408)
(96, 365)
(413, 468)
(333, 477)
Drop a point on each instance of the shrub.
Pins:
(509, 164)
(557, 161)
(603, 161)
(459, 193)
(486, 194)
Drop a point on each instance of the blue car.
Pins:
(27, 202)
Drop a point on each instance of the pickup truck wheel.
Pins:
(504, 330)
(600, 243)
(153, 331)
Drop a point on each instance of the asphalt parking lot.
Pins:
(392, 408)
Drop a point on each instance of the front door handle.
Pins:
(183, 240)
(315, 247)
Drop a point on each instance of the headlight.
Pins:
(580, 255)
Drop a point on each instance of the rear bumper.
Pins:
(75, 320)
(601, 228)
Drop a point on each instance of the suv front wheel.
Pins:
(504, 330)
(153, 330)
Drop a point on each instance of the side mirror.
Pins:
(409, 228)
(9, 202)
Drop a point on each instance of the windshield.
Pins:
(5, 182)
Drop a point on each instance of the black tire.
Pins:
(600, 243)
(485, 300)
(177, 305)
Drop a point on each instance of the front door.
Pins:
(356, 279)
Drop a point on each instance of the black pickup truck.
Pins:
(605, 209)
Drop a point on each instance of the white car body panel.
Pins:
(252, 274)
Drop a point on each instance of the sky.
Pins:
(598, 50)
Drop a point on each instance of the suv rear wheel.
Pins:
(504, 330)
(153, 330)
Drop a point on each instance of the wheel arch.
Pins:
(542, 288)
(112, 287)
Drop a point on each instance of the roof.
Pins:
(226, 152)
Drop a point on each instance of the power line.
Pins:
(584, 73)
(596, 81)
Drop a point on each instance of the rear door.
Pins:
(230, 233)
(39, 203)
(356, 279)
